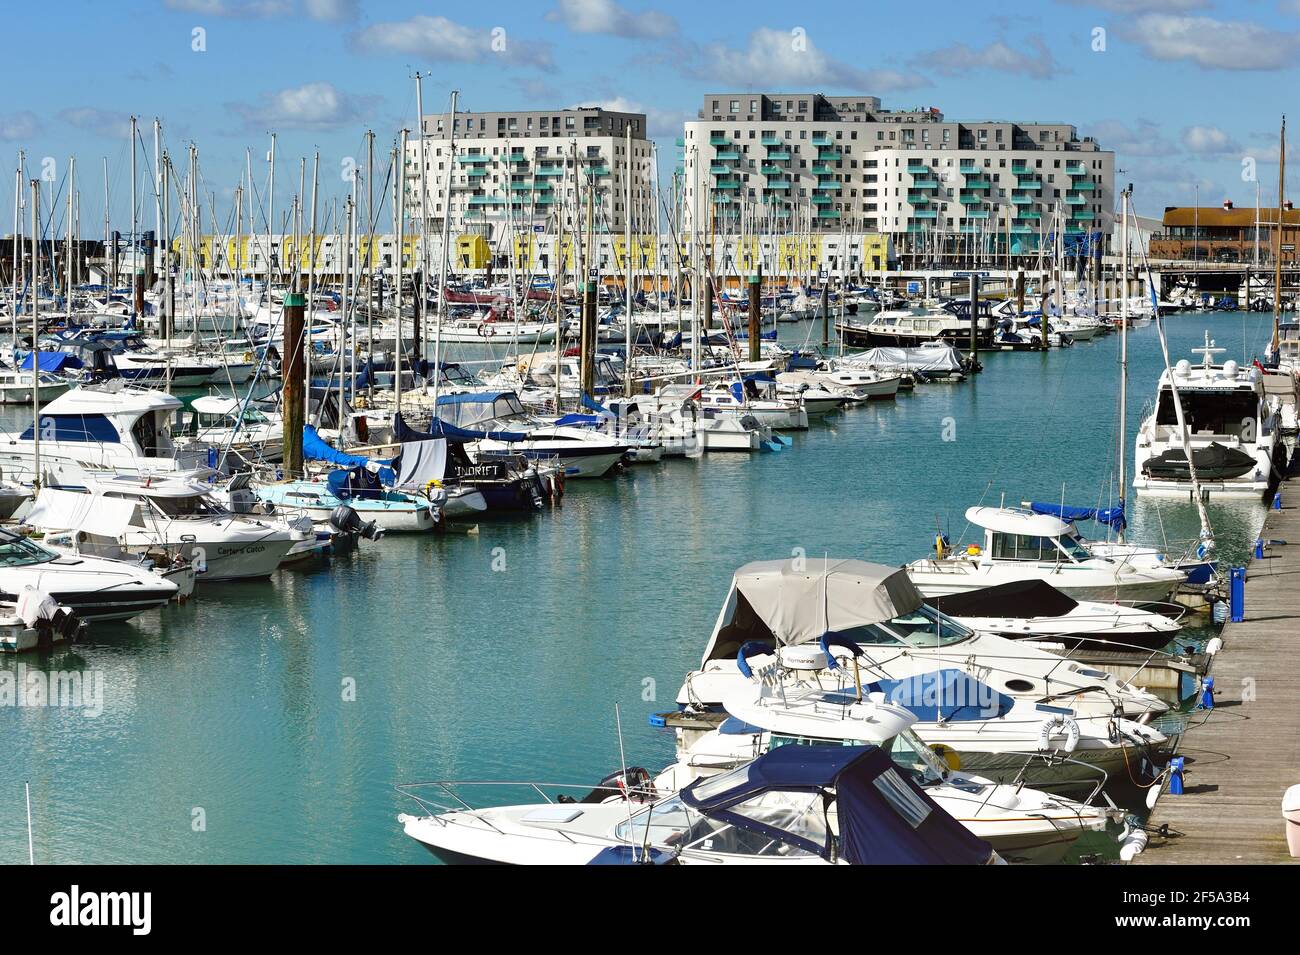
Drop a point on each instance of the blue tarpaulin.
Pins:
(1110, 516)
(51, 361)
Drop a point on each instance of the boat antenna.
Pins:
(27, 790)
(627, 787)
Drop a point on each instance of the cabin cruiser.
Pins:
(746, 397)
(788, 603)
(496, 421)
(1035, 610)
(110, 427)
(909, 328)
(173, 515)
(16, 385)
(1021, 823)
(95, 588)
(794, 805)
(234, 425)
(929, 361)
(1232, 428)
(1021, 545)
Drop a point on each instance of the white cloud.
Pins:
(332, 11)
(233, 8)
(776, 58)
(960, 58)
(437, 38)
(1144, 138)
(612, 19)
(1143, 6)
(1209, 139)
(1214, 44)
(101, 122)
(19, 126)
(311, 106)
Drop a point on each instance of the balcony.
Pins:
(549, 171)
(977, 213)
(828, 152)
(722, 199)
(827, 187)
(828, 213)
(522, 185)
(1028, 214)
(1082, 215)
(778, 184)
(727, 185)
(597, 171)
(1085, 186)
(1074, 199)
(477, 173)
(971, 200)
(772, 141)
(516, 159)
(718, 170)
(727, 155)
(926, 214)
(772, 171)
(823, 200)
(918, 228)
(979, 183)
(486, 200)
(1017, 199)
(1030, 185)
(918, 198)
(473, 159)
(917, 167)
(822, 139)
(925, 182)
(719, 141)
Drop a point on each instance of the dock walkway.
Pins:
(1246, 752)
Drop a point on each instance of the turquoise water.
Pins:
(233, 705)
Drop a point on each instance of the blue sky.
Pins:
(1183, 90)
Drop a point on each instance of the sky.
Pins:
(1189, 93)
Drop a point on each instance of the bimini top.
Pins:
(1016, 520)
(884, 817)
(783, 602)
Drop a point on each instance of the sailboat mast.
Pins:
(1277, 246)
(1123, 353)
(627, 252)
(36, 350)
(441, 311)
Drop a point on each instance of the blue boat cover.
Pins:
(885, 818)
(441, 429)
(1111, 516)
(51, 361)
(403, 432)
(591, 404)
(950, 695)
(580, 420)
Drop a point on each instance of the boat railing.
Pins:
(1051, 762)
(450, 789)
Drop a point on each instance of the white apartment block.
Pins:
(805, 162)
(525, 170)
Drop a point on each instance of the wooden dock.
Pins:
(1244, 754)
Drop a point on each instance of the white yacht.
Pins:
(172, 515)
(95, 588)
(780, 604)
(1018, 544)
(1023, 824)
(91, 430)
(1232, 428)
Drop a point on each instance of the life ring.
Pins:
(948, 756)
(1054, 725)
(485, 330)
(430, 487)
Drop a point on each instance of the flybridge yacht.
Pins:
(1232, 426)
(909, 328)
(1021, 545)
(114, 428)
(783, 604)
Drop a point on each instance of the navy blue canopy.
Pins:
(1111, 516)
(885, 818)
(950, 695)
(442, 429)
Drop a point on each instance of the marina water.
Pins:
(268, 721)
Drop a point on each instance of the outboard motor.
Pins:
(345, 520)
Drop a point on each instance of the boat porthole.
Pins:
(1019, 686)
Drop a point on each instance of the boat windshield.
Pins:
(19, 552)
(194, 507)
(1074, 546)
(927, 627)
(911, 754)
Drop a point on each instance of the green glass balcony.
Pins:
(546, 199)
(918, 198)
(727, 155)
(822, 200)
(772, 141)
(925, 182)
(822, 139)
(926, 214)
(1021, 229)
(778, 184)
(486, 200)
(828, 213)
(772, 170)
(1074, 230)
(977, 214)
(719, 141)
(597, 170)
(1083, 215)
(779, 155)
(916, 167)
(915, 228)
(477, 173)
(473, 159)
(516, 159)
(727, 185)
(981, 183)
(522, 186)
(1019, 167)
(827, 187)
(720, 170)
(1074, 199)
(722, 199)
(970, 200)
(1028, 214)
(1085, 186)
(823, 170)
(549, 171)
(1030, 185)
(1020, 200)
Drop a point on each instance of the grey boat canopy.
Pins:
(783, 602)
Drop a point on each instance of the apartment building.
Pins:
(806, 162)
(526, 170)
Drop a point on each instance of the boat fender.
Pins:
(1214, 646)
(1056, 724)
(1133, 845)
